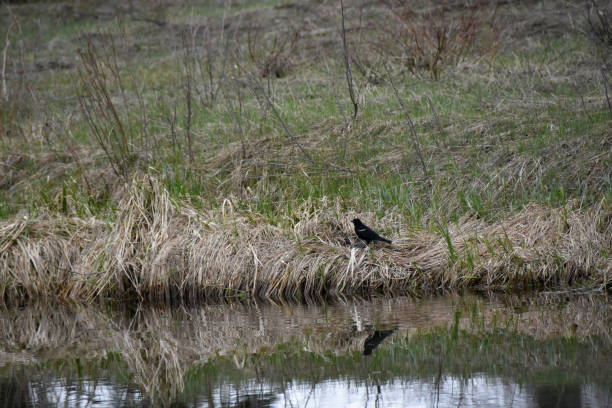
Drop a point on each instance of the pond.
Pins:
(468, 350)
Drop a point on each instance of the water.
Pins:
(469, 351)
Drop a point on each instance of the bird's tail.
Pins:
(388, 241)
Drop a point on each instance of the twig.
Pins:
(143, 120)
(260, 88)
(347, 66)
(601, 32)
(257, 87)
(438, 123)
(605, 83)
(584, 107)
(6, 46)
(188, 80)
(70, 147)
(99, 135)
(415, 136)
(346, 123)
(236, 113)
(211, 76)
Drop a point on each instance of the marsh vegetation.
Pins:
(177, 180)
(176, 151)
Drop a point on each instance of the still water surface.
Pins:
(546, 350)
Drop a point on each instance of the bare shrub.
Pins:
(599, 26)
(113, 106)
(212, 56)
(204, 66)
(272, 59)
(435, 37)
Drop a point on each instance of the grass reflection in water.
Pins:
(459, 350)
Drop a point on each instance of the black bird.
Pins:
(364, 232)
(374, 340)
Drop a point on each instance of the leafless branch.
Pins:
(257, 87)
(438, 122)
(4, 53)
(188, 84)
(415, 136)
(605, 83)
(236, 112)
(347, 66)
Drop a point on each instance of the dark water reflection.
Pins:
(466, 351)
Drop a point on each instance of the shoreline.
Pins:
(162, 250)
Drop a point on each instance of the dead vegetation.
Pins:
(159, 249)
(438, 35)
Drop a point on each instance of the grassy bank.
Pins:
(163, 250)
(185, 151)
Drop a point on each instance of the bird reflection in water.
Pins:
(375, 339)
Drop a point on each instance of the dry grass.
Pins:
(159, 249)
